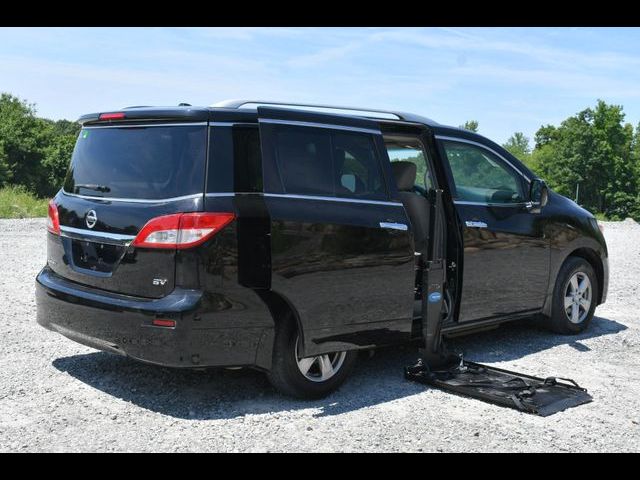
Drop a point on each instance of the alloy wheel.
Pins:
(577, 297)
(320, 368)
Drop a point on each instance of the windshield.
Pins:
(138, 162)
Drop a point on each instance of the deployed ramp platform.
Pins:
(442, 369)
(540, 396)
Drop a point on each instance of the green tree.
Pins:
(34, 152)
(22, 142)
(56, 161)
(471, 125)
(592, 149)
(635, 160)
(66, 127)
(518, 145)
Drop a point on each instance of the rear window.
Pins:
(138, 162)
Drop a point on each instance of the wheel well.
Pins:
(593, 258)
(281, 311)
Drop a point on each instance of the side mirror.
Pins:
(538, 194)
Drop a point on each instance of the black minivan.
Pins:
(288, 237)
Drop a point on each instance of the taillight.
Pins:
(53, 221)
(181, 230)
(160, 322)
(111, 116)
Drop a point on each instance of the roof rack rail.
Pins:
(365, 112)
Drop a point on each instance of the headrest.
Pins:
(405, 175)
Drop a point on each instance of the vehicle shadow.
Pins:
(223, 394)
(518, 339)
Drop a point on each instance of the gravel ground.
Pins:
(56, 395)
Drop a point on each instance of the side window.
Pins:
(480, 176)
(317, 161)
(411, 150)
(235, 161)
(304, 160)
(356, 167)
(247, 159)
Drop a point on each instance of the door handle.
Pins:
(394, 226)
(475, 224)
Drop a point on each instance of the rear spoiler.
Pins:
(147, 114)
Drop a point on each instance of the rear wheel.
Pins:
(574, 297)
(310, 377)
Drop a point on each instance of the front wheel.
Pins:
(574, 297)
(310, 377)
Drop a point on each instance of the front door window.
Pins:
(480, 176)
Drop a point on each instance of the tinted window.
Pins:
(235, 162)
(480, 176)
(305, 161)
(247, 159)
(138, 162)
(328, 162)
(356, 166)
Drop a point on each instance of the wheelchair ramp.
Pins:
(539, 396)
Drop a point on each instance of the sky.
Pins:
(508, 79)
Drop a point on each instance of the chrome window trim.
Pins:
(233, 124)
(223, 194)
(332, 199)
(320, 125)
(485, 204)
(81, 233)
(133, 200)
(177, 124)
(478, 144)
(307, 197)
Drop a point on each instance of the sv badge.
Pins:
(159, 281)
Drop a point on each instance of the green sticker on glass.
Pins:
(85, 133)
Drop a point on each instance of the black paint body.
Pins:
(347, 282)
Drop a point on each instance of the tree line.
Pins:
(593, 156)
(34, 151)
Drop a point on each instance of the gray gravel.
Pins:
(56, 395)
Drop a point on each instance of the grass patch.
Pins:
(17, 202)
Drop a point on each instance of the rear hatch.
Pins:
(122, 176)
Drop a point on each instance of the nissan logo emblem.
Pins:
(91, 218)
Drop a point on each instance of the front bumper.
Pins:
(123, 324)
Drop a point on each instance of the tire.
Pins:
(287, 377)
(563, 318)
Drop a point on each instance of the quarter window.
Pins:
(235, 160)
(480, 176)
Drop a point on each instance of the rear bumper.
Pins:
(122, 324)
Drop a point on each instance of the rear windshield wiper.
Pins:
(93, 186)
